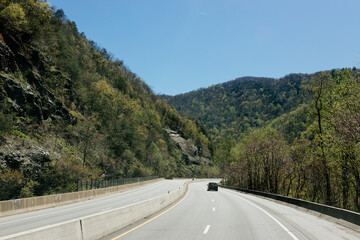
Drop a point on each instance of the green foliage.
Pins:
(291, 125)
(29, 189)
(233, 107)
(20, 134)
(11, 183)
(260, 159)
(21, 18)
(14, 15)
(319, 161)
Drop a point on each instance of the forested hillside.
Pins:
(233, 107)
(298, 136)
(71, 111)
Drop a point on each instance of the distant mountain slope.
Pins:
(233, 107)
(70, 111)
(297, 136)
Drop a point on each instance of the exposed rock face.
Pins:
(23, 88)
(25, 155)
(7, 58)
(190, 151)
(29, 97)
(26, 100)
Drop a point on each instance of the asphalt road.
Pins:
(228, 214)
(31, 220)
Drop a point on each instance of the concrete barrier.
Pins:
(61, 231)
(16, 206)
(102, 224)
(341, 215)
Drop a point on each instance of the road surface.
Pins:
(31, 220)
(227, 214)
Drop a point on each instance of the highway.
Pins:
(32, 220)
(228, 214)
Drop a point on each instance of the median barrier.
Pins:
(61, 231)
(15, 206)
(102, 224)
(99, 225)
(343, 216)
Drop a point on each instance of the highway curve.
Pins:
(228, 214)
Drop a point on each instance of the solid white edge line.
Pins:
(206, 229)
(280, 224)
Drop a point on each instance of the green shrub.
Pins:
(28, 190)
(14, 15)
(11, 183)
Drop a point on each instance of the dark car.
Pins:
(212, 186)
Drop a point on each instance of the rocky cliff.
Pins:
(190, 151)
(22, 85)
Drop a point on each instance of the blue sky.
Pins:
(177, 46)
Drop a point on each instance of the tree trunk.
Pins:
(319, 106)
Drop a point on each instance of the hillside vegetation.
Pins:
(71, 111)
(233, 107)
(298, 136)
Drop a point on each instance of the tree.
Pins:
(319, 86)
(87, 133)
(14, 16)
(11, 183)
(344, 131)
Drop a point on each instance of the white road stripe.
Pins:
(214, 209)
(280, 224)
(207, 229)
(212, 200)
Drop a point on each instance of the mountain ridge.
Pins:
(233, 99)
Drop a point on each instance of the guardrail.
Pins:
(338, 213)
(102, 224)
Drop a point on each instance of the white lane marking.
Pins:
(213, 209)
(51, 213)
(280, 224)
(207, 229)
(47, 214)
(212, 200)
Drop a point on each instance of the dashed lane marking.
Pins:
(206, 229)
